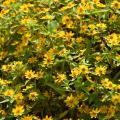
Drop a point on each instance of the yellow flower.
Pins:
(115, 99)
(80, 10)
(47, 118)
(3, 12)
(83, 28)
(28, 87)
(101, 70)
(113, 18)
(101, 26)
(9, 92)
(60, 78)
(110, 112)
(75, 72)
(107, 84)
(98, 58)
(69, 35)
(29, 74)
(4, 82)
(32, 60)
(83, 108)
(24, 8)
(6, 3)
(115, 4)
(113, 39)
(71, 101)
(39, 75)
(68, 6)
(96, 1)
(48, 60)
(18, 110)
(94, 113)
(33, 96)
(83, 69)
(79, 40)
(48, 17)
(28, 117)
(101, 5)
(62, 52)
(103, 109)
(91, 26)
(65, 19)
(19, 97)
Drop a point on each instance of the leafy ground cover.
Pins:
(59, 60)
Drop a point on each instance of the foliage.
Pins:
(59, 59)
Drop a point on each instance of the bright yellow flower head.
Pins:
(75, 72)
(47, 118)
(113, 39)
(83, 69)
(115, 4)
(60, 78)
(32, 60)
(65, 19)
(28, 117)
(19, 97)
(39, 74)
(29, 74)
(33, 96)
(9, 92)
(108, 84)
(80, 9)
(18, 110)
(101, 70)
(71, 101)
(116, 99)
(94, 113)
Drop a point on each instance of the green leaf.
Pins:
(52, 25)
(58, 89)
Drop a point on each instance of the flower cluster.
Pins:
(59, 59)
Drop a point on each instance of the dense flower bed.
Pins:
(59, 59)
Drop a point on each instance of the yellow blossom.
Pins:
(80, 9)
(115, 4)
(48, 17)
(47, 118)
(110, 112)
(83, 69)
(101, 70)
(83, 108)
(29, 74)
(48, 60)
(94, 113)
(75, 72)
(113, 39)
(28, 117)
(99, 58)
(18, 97)
(71, 101)
(39, 74)
(101, 5)
(9, 92)
(32, 60)
(33, 96)
(113, 18)
(115, 99)
(18, 110)
(108, 84)
(60, 78)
